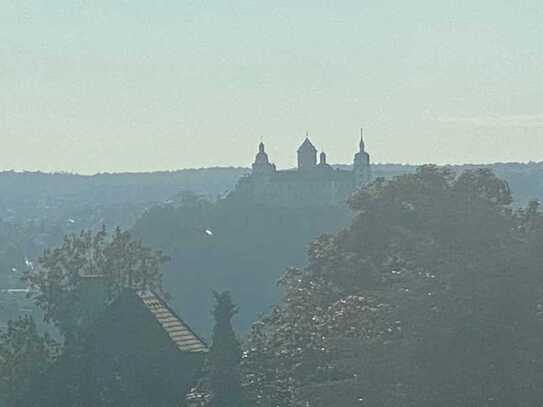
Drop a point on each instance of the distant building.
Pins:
(311, 183)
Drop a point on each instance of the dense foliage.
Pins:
(241, 247)
(57, 283)
(24, 356)
(433, 296)
(38, 209)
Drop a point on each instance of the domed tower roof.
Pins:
(323, 158)
(262, 156)
(262, 163)
(323, 164)
(307, 146)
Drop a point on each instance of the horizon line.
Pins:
(248, 168)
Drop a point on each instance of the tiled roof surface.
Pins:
(178, 331)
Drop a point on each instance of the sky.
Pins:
(138, 85)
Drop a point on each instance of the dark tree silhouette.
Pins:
(224, 355)
(119, 261)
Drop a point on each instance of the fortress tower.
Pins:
(262, 165)
(361, 164)
(307, 155)
(322, 162)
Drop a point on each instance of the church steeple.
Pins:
(361, 164)
(362, 144)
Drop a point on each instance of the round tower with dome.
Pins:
(262, 165)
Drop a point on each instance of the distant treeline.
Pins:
(38, 195)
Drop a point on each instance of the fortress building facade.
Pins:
(311, 183)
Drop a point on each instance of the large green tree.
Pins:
(57, 283)
(433, 296)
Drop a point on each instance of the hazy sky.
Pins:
(111, 85)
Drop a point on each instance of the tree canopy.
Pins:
(25, 355)
(119, 261)
(433, 296)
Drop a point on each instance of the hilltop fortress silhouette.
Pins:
(311, 183)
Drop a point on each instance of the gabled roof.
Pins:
(179, 332)
(307, 145)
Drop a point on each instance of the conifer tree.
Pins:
(224, 355)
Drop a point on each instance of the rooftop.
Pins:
(307, 145)
(179, 332)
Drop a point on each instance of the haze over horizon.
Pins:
(128, 85)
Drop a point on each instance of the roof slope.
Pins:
(179, 332)
(307, 145)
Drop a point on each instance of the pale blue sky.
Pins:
(134, 85)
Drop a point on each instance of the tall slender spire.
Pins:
(361, 164)
(362, 144)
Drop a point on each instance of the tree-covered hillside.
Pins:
(244, 247)
(37, 210)
(424, 290)
(226, 245)
(35, 195)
